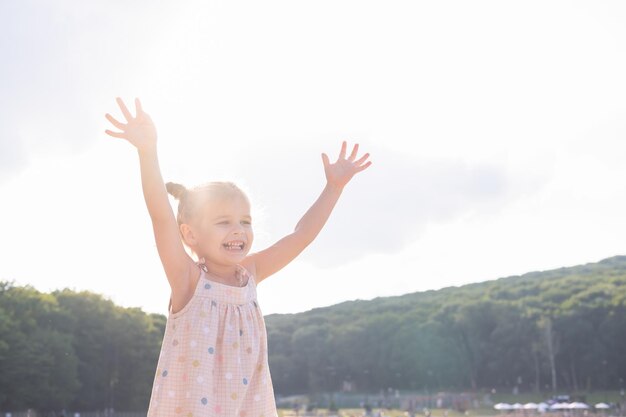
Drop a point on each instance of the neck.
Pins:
(228, 274)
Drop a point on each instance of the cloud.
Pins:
(384, 208)
(43, 109)
(63, 65)
(12, 156)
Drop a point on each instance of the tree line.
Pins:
(560, 330)
(74, 350)
(546, 331)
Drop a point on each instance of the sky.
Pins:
(497, 134)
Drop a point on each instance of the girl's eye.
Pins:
(246, 222)
(224, 222)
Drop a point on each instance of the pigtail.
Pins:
(178, 191)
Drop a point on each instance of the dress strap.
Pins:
(245, 274)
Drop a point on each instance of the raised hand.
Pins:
(139, 130)
(342, 171)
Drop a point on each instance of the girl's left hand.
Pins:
(342, 171)
(138, 130)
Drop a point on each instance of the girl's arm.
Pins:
(141, 133)
(277, 256)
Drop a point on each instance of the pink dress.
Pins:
(213, 359)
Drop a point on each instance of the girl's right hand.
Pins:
(138, 130)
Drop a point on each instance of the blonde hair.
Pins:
(191, 201)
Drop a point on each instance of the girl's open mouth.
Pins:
(235, 245)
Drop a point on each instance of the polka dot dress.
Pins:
(213, 359)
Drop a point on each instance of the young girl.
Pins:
(213, 359)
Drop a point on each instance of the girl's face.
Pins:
(226, 233)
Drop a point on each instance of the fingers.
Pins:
(359, 164)
(353, 155)
(325, 160)
(362, 159)
(362, 167)
(115, 134)
(342, 154)
(355, 149)
(138, 107)
(120, 126)
(125, 111)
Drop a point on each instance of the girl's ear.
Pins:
(188, 235)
